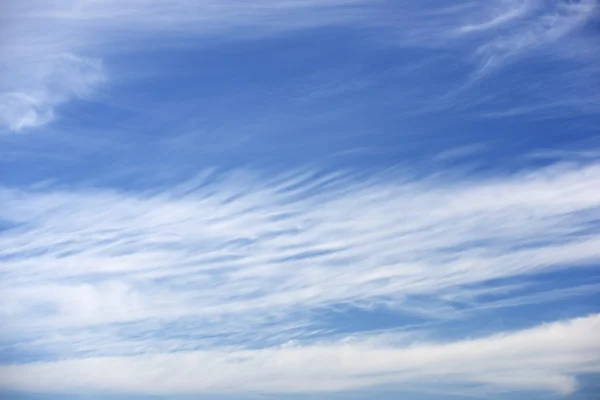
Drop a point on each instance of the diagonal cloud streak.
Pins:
(241, 243)
(546, 357)
(244, 256)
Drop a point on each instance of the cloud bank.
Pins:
(547, 357)
(94, 276)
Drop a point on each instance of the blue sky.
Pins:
(299, 199)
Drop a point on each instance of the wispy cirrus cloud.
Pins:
(495, 31)
(499, 49)
(245, 256)
(52, 52)
(304, 281)
(31, 97)
(547, 357)
(49, 46)
(545, 23)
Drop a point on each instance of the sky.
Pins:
(299, 199)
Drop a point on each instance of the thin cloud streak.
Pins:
(485, 39)
(56, 80)
(543, 358)
(552, 24)
(242, 253)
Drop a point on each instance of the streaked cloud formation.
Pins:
(49, 83)
(241, 253)
(299, 198)
(538, 358)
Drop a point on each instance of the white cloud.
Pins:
(51, 50)
(31, 100)
(499, 14)
(21, 110)
(497, 29)
(37, 33)
(547, 357)
(546, 23)
(249, 257)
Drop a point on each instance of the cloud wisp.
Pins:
(95, 271)
(496, 31)
(61, 51)
(45, 86)
(53, 52)
(547, 357)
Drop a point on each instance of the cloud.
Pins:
(544, 24)
(232, 272)
(499, 14)
(53, 51)
(546, 357)
(42, 39)
(495, 31)
(36, 94)
(497, 56)
(301, 240)
(250, 261)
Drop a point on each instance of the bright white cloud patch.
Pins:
(31, 100)
(249, 257)
(547, 357)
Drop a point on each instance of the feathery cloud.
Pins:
(244, 255)
(52, 52)
(547, 357)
